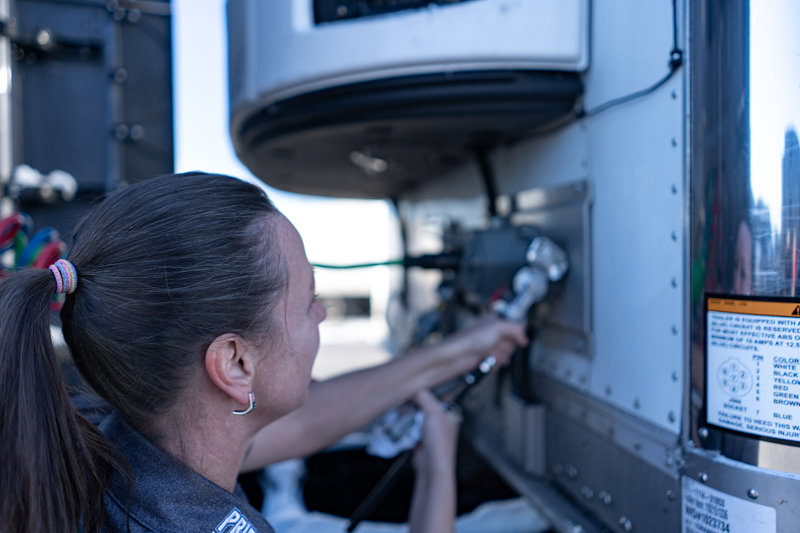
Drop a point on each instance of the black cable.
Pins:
(404, 241)
(675, 62)
(487, 173)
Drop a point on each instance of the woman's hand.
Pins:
(433, 508)
(464, 350)
(436, 453)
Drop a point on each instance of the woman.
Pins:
(190, 310)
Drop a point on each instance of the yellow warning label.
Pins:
(750, 307)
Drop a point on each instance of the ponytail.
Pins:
(54, 464)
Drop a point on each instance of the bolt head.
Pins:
(120, 75)
(670, 495)
(675, 376)
(753, 493)
(674, 189)
(674, 141)
(122, 132)
(605, 497)
(703, 477)
(674, 235)
(44, 38)
(671, 416)
(703, 433)
(674, 282)
(137, 132)
(572, 472)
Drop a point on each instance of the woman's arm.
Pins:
(349, 402)
(433, 506)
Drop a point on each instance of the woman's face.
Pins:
(285, 373)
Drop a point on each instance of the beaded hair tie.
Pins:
(66, 276)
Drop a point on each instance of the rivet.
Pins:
(674, 329)
(675, 376)
(703, 432)
(674, 282)
(674, 95)
(341, 11)
(119, 14)
(702, 476)
(753, 493)
(636, 444)
(558, 468)
(112, 5)
(134, 15)
(587, 492)
(608, 390)
(670, 495)
(572, 472)
(674, 189)
(636, 403)
(668, 460)
(605, 497)
(674, 141)
(626, 523)
(671, 416)
(674, 235)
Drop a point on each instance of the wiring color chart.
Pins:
(753, 367)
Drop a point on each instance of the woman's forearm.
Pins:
(433, 506)
(347, 403)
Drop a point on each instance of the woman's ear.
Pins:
(231, 365)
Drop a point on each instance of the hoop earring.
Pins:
(249, 407)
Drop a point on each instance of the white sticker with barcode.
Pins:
(706, 510)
